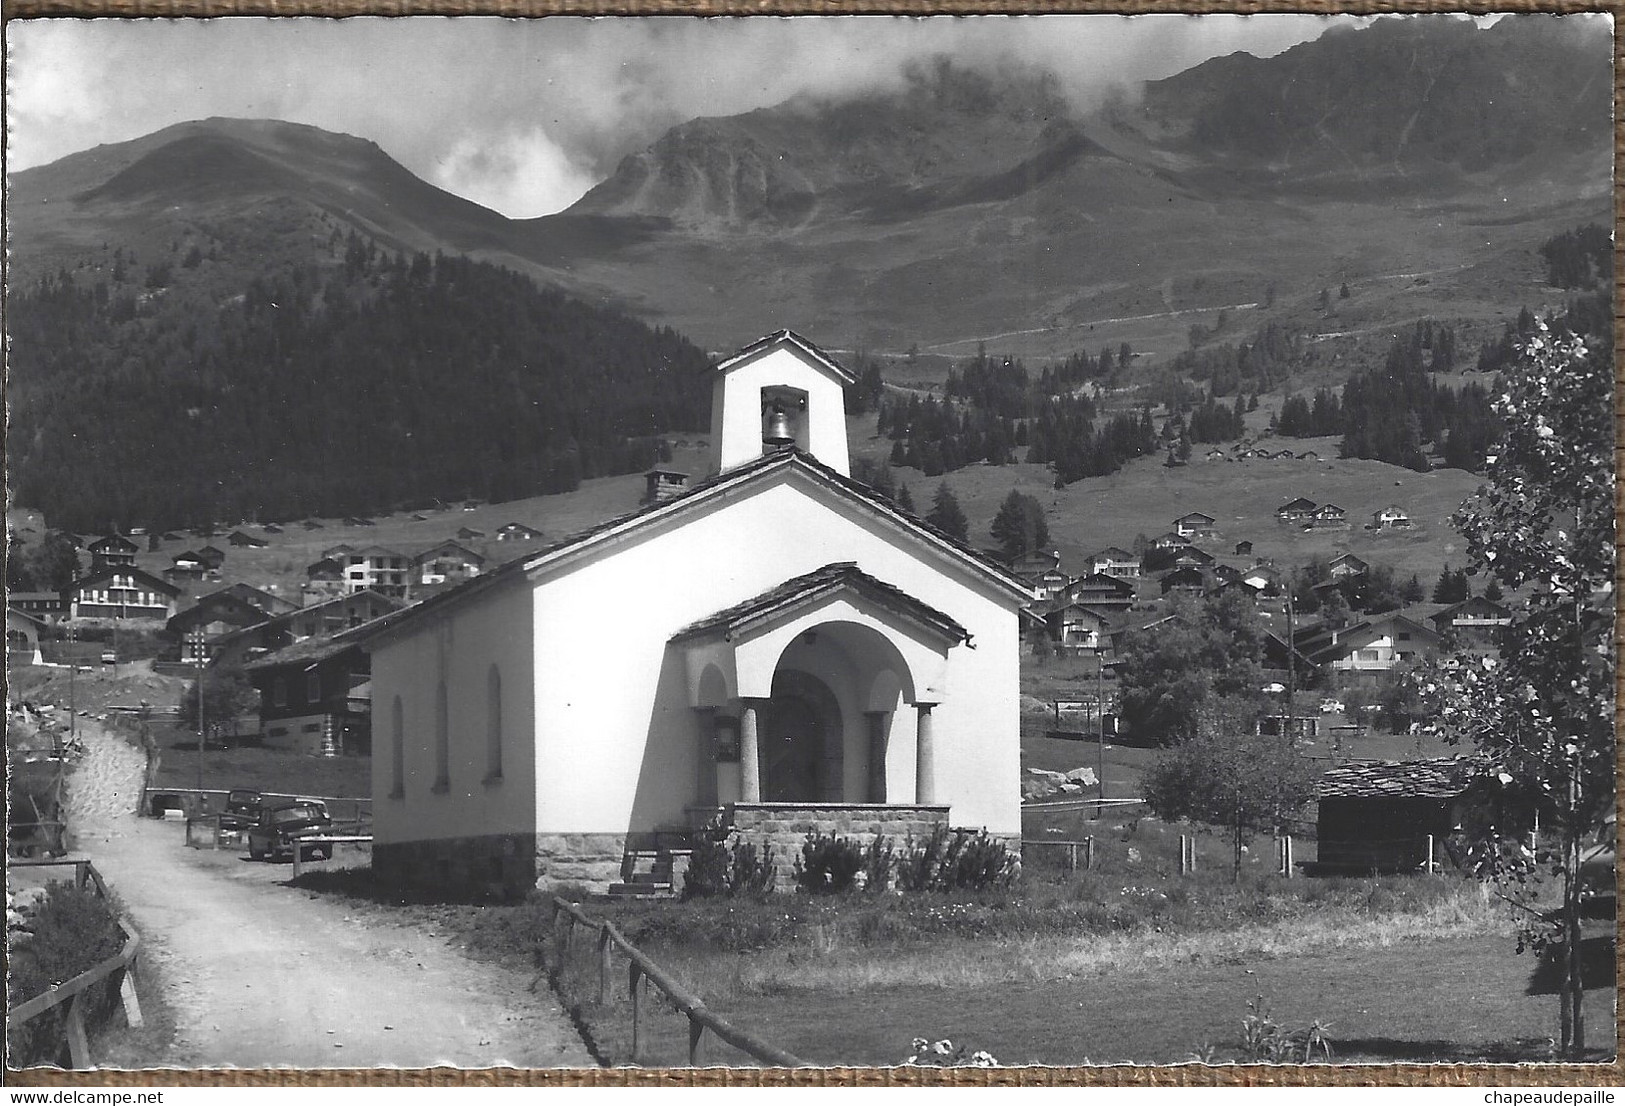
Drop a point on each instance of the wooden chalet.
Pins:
(1297, 510)
(114, 549)
(1099, 591)
(245, 541)
(517, 531)
(315, 696)
(121, 592)
(1113, 561)
(1195, 526)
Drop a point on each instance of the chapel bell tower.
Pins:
(779, 392)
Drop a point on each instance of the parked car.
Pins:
(242, 808)
(279, 828)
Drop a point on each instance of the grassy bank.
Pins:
(1098, 967)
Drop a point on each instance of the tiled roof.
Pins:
(815, 585)
(787, 337)
(310, 650)
(771, 460)
(1438, 778)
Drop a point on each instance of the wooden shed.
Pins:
(1377, 817)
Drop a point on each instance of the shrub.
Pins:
(73, 931)
(828, 864)
(708, 868)
(750, 871)
(955, 859)
(919, 865)
(878, 861)
(1263, 1041)
(983, 862)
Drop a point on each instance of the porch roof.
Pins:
(814, 586)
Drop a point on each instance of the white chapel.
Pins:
(777, 647)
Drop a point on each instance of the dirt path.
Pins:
(260, 974)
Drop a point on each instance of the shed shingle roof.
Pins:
(1437, 778)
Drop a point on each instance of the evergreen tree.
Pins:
(905, 498)
(1019, 527)
(946, 515)
(1452, 586)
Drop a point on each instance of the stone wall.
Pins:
(784, 826)
(501, 865)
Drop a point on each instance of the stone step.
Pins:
(638, 890)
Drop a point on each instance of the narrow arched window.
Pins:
(442, 739)
(493, 724)
(397, 749)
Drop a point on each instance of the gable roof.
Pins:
(1100, 580)
(286, 617)
(445, 548)
(1195, 516)
(114, 542)
(307, 651)
(1298, 504)
(109, 571)
(814, 586)
(786, 339)
(1113, 553)
(1434, 778)
(790, 459)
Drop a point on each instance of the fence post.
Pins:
(80, 874)
(696, 1041)
(78, 1043)
(1071, 857)
(1430, 854)
(1290, 862)
(296, 851)
(603, 964)
(126, 991)
(217, 833)
(1088, 853)
(636, 986)
(1184, 854)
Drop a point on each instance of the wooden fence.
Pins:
(72, 991)
(641, 971)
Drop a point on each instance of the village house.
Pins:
(445, 562)
(1113, 561)
(1074, 627)
(468, 533)
(1345, 565)
(1329, 516)
(42, 605)
(218, 614)
(323, 579)
(517, 531)
(245, 541)
(1195, 526)
(1190, 556)
(806, 656)
(375, 569)
(1169, 540)
(1104, 593)
(314, 697)
(212, 557)
(1475, 623)
(1263, 579)
(1041, 571)
(331, 616)
(1390, 518)
(188, 567)
(1188, 579)
(114, 549)
(1378, 644)
(1244, 548)
(1297, 510)
(121, 592)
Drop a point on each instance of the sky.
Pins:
(523, 116)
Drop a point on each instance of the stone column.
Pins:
(877, 754)
(925, 763)
(750, 753)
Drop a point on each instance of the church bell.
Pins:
(778, 429)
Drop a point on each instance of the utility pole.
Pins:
(1100, 712)
(73, 671)
(198, 644)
